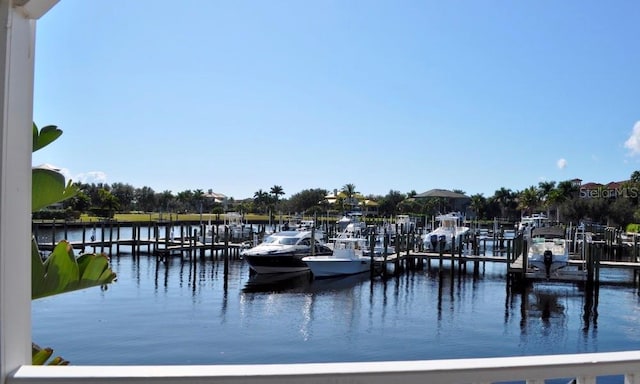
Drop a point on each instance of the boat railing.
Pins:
(580, 368)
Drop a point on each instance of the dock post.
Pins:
(453, 256)
(83, 237)
(102, 237)
(139, 239)
(372, 246)
(525, 260)
(156, 237)
(181, 241)
(408, 260)
(396, 266)
(110, 237)
(226, 250)
(168, 234)
(596, 271)
(117, 238)
(461, 263)
(588, 256)
(149, 237)
(133, 240)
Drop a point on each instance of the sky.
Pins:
(239, 96)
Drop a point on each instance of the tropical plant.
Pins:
(478, 204)
(528, 200)
(261, 199)
(350, 192)
(276, 191)
(60, 271)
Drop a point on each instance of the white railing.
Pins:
(584, 368)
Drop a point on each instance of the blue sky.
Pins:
(387, 95)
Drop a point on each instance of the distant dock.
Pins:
(157, 238)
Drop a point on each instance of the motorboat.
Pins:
(235, 226)
(347, 258)
(449, 231)
(548, 249)
(283, 251)
(405, 224)
(381, 246)
(536, 220)
(352, 224)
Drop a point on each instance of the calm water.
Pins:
(175, 314)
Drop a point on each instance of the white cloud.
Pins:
(633, 142)
(562, 163)
(89, 177)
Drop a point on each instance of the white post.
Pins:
(17, 40)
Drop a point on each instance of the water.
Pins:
(178, 314)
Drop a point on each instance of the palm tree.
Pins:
(478, 203)
(564, 191)
(276, 191)
(528, 199)
(350, 191)
(544, 189)
(504, 197)
(261, 199)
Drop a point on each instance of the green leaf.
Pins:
(46, 136)
(61, 269)
(94, 270)
(37, 270)
(39, 356)
(48, 187)
(61, 272)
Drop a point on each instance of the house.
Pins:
(451, 201)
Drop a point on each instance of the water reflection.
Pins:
(300, 282)
(421, 314)
(278, 282)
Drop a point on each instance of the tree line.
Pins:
(564, 201)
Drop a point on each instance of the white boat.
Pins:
(548, 249)
(351, 223)
(405, 224)
(347, 258)
(536, 220)
(448, 232)
(283, 251)
(379, 248)
(234, 225)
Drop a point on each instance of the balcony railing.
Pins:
(583, 368)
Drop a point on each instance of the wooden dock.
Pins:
(409, 252)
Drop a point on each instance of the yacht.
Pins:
(448, 232)
(283, 251)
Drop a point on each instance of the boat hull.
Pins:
(279, 262)
(329, 266)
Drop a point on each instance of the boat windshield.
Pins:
(280, 240)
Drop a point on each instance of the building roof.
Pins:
(441, 193)
(217, 197)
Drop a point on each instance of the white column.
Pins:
(17, 39)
